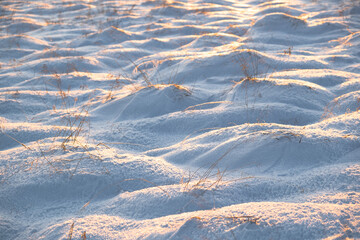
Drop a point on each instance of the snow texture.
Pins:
(179, 119)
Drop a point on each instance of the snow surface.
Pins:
(179, 119)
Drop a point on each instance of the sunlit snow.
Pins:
(179, 119)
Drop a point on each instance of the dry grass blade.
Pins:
(43, 155)
(206, 182)
(83, 236)
(14, 139)
(208, 172)
(137, 68)
(71, 231)
(244, 218)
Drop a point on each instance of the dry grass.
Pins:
(197, 184)
(72, 136)
(70, 142)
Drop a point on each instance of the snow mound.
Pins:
(179, 119)
(166, 98)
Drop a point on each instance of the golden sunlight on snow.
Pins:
(179, 119)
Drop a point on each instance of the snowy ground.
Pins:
(179, 119)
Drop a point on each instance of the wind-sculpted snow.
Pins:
(179, 119)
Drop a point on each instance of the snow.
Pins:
(179, 119)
